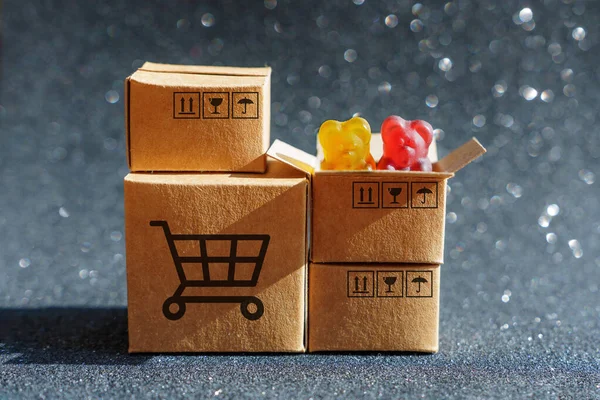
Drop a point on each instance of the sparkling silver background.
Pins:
(520, 311)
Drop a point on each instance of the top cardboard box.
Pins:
(197, 118)
(378, 216)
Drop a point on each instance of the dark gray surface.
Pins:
(520, 311)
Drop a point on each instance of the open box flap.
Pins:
(460, 157)
(205, 69)
(292, 156)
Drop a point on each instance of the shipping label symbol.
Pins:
(361, 284)
(394, 195)
(390, 283)
(365, 194)
(419, 283)
(424, 194)
(215, 105)
(186, 105)
(245, 105)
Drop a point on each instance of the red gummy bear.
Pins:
(405, 145)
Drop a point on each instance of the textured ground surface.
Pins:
(520, 311)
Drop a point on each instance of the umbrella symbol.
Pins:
(419, 280)
(425, 192)
(245, 102)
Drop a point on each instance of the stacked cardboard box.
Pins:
(377, 247)
(377, 243)
(217, 238)
(215, 230)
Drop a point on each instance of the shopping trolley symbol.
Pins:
(174, 306)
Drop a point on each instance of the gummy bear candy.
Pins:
(346, 145)
(405, 145)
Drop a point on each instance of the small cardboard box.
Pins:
(197, 118)
(378, 216)
(373, 307)
(217, 262)
(384, 216)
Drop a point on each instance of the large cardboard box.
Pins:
(379, 216)
(197, 118)
(217, 262)
(373, 307)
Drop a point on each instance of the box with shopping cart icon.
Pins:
(217, 262)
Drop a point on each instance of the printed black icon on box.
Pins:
(251, 307)
(419, 283)
(424, 194)
(215, 105)
(361, 284)
(365, 194)
(394, 195)
(245, 105)
(186, 105)
(390, 283)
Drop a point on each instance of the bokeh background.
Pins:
(520, 311)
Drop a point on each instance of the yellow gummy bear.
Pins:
(346, 145)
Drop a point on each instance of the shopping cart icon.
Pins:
(174, 306)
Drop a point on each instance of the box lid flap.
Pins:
(205, 69)
(292, 156)
(460, 157)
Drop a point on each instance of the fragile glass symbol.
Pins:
(357, 285)
(395, 192)
(419, 280)
(216, 102)
(245, 102)
(389, 280)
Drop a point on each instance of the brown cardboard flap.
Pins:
(460, 157)
(205, 69)
(292, 156)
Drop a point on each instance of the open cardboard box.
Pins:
(217, 262)
(197, 118)
(378, 216)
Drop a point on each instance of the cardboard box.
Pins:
(379, 216)
(384, 216)
(197, 118)
(217, 262)
(373, 307)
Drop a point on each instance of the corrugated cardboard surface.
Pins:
(346, 229)
(397, 317)
(272, 204)
(172, 126)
